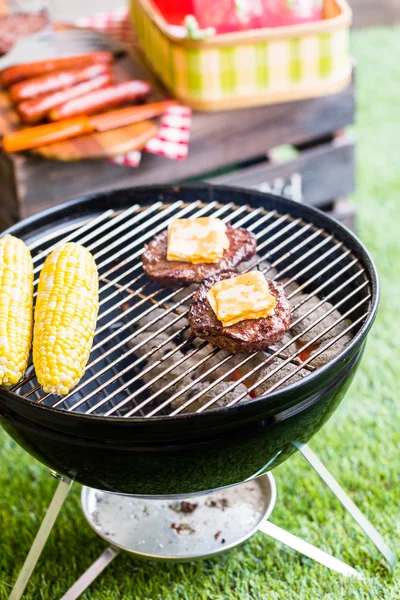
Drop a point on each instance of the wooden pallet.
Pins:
(318, 172)
(241, 143)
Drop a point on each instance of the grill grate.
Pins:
(138, 319)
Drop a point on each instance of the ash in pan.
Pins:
(195, 373)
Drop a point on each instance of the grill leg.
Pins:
(296, 543)
(91, 574)
(347, 503)
(41, 537)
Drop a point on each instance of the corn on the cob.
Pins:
(65, 317)
(16, 308)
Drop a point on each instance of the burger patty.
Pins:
(246, 336)
(169, 273)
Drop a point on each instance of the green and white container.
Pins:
(248, 68)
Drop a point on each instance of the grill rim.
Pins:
(64, 212)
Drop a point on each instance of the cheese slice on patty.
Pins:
(197, 241)
(243, 297)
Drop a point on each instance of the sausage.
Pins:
(44, 84)
(109, 97)
(27, 70)
(34, 109)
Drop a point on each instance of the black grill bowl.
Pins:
(187, 453)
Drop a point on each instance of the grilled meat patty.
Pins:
(246, 336)
(242, 246)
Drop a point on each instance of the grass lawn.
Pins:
(360, 444)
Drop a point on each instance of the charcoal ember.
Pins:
(151, 345)
(255, 263)
(167, 363)
(208, 395)
(162, 320)
(179, 362)
(331, 352)
(269, 271)
(292, 288)
(170, 377)
(234, 363)
(291, 349)
(285, 370)
(215, 360)
(189, 290)
(319, 312)
(248, 265)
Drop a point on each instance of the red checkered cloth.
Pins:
(115, 22)
(173, 136)
(130, 159)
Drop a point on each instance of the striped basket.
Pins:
(248, 68)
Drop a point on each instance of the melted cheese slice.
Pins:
(197, 241)
(243, 297)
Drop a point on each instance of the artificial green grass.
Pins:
(360, 444)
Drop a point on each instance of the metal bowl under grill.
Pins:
(160, 412)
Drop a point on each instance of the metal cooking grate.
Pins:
(118, 379)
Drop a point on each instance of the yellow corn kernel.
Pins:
(65, 318)
(16, 306)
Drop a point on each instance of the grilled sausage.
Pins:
(27, 70)
(33, 110)
(44, 84)
(98, 101)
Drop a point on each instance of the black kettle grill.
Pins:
(117, 433)
(160, 415)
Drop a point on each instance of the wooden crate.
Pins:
(241, 140)
(319, 172)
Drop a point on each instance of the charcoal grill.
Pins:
(160, 414)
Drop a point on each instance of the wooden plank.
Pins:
(220, 139)
(217, 140)
(316, 176)
(9, 212)
(101, 145)
(233, 136)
